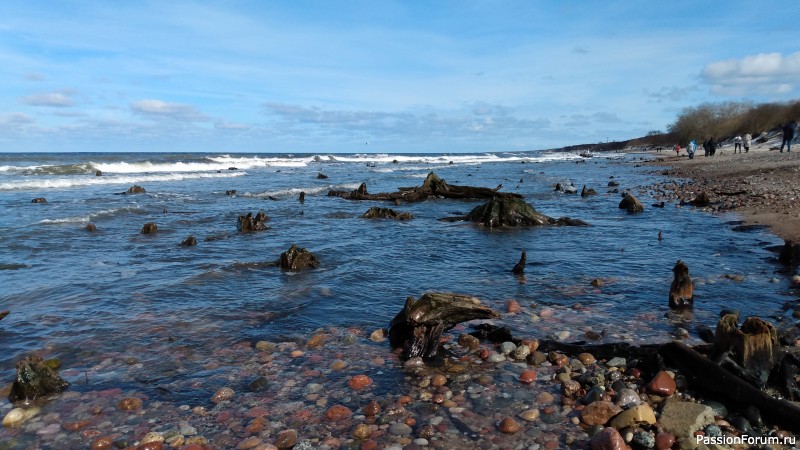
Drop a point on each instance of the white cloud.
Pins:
(16, 118)
(160, 109)
(54, 99)
(761, 74)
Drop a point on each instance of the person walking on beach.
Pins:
(678, 149)
(746, 141)
(705, 148)
(691, 148)
(788, 135)
(712, 146)
(737, 144)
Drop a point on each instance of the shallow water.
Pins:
(86, 297)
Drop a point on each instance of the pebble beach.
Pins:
(222, 350)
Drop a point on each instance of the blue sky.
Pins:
(378, 76)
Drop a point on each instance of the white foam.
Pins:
(95, 215)
(72, 181)
(307, 190)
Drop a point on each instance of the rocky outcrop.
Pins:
(35, 379)
(39, 200)
(631, 203)
(702, 199)
(248, 223)
(230, 192)
(189, 241)
(321, 176)
(432, 187)
(98, 173)
(149, 228)
(135, 189)
(386, 213)
(418, 327)
(681, 292)
(298, 259)
(587, 192)
(512, 212)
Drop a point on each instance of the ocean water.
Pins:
(85, 297)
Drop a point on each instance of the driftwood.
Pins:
(386, 213)
(419, 325)
(3, 314)
(681, 291)
(432, 187)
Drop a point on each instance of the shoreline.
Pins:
(761, 186)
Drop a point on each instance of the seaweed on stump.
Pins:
(34, 380)
(752, 348)
(298, 259)
(419, 325)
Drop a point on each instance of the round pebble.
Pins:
(223, 394)
(508, 426)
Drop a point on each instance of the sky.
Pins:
(378, 76)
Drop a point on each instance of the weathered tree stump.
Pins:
(189, 241)
(681, 292)
(90, 227)
(512, 212)
(419, 325)
(135, 189)
(386, 213)
(631, 203)
(432, 187)
(519, 267)
(753, 348)
(149, 228)
(39, 200)
(35, 380)
(790, 253)
(587, 192)
(297, 259)
(249, 223)
(3, 314)
(702, 199)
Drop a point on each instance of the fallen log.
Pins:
(711, 379)
(432, 187)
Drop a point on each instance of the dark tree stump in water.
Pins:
(298, 259)
(3, 314)
(419, 325)
(432, 187)
(512, 212)
(681, 292)
(519, 268)
(790, 253)
(249, 222)
(631, 203)
(587, 192)
(35, 380)
(149, 228)
(753, 348)
(386, 213)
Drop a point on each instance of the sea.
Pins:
(87, 298)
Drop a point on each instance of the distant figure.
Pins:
(681, 292)
(737, 144)
(746, 142)
(788, 135)
(705, 148)
(712, 146)
(678, 149)
(660, 236)
(691, 148)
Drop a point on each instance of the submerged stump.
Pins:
(519, 268)
(419, 325)
(249, 223)
(512, 212)
(681, 292)
(631, 203)
(298, 259)
(35, 379)
(386, 213)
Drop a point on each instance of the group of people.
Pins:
(740, 143)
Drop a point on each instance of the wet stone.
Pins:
(662, 384)
(130, 404)
(258, 385)
(286, 439)
(399, 429)
(223, 394)
(508, 426)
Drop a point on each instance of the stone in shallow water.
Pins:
(508, 426)
(223, 394)
(529, 415)
(399, 429)
(598, 413)
(608, 439)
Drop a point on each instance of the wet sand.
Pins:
(763, 185)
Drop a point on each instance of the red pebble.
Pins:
(528, 376)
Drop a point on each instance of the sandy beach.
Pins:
(763, 185)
